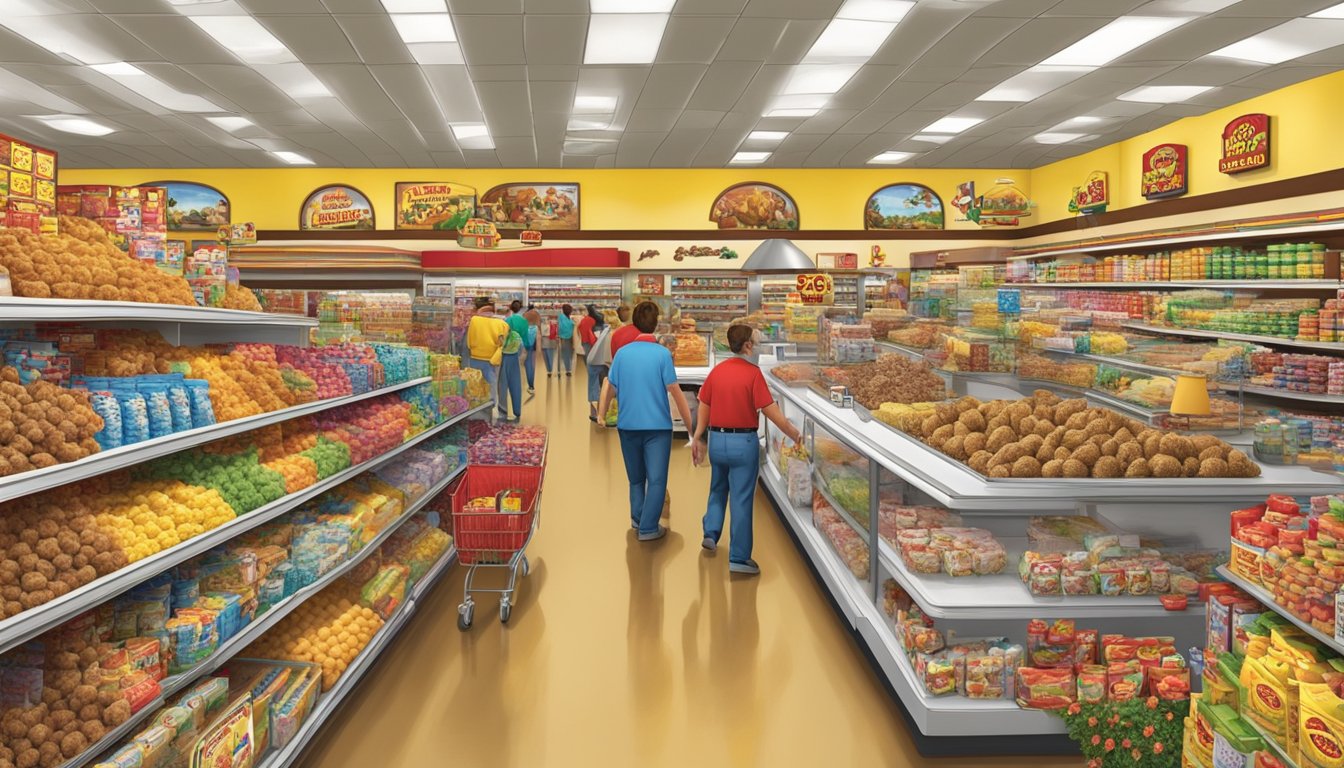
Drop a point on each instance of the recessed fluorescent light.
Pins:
(624, 38)
(245, 38)
(791, 112)
(1033, 83)
(767, 135)
(932, 138)
(1083, 120)
(750, 157)
(631, 6)
(1056, 137)
(293, 158)
(800, 101)
(577, 124)
(54, 33)
(1188, 6)
(849, 40)
(73, 124)
(16, 87)
(1115, 40)
(1164, 94)
(1333, 12)
(155, 90)
(415, 6)
(891, 158)
(595, 104)
(953, 124)
(472, 135)
(294, 79)
(1291, 40)
(230, 122)
(874, 10)
(819, 78)
(424, 27)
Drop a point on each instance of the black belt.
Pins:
(733, 430)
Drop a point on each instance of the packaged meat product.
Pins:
(988, 560)
(1044, 579)
(1046, 689)
(1111, 581)
(1079, 582)
(1124, 680)
(1091, 684)
(940, 676)
(958, 562)
(912, 536)
(1138, 581)
(921, 559)
(984, 676)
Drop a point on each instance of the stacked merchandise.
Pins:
(883, 321)
(1278, 544)
(712, 301)
(549, 295)
(338, 317)
(843, 343)
(1286, 261)
(846, 541)
(931, 540)
(283, 301)
(890, 378)
(690, 350)
(28, 194)
(1312, 374)
(135, 219)
(430, 324)
(506, 445)
(800, 323)
(386, 317)
(1299, 438)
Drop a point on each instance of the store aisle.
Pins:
(624, 654)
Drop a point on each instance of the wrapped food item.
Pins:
(1046, 689)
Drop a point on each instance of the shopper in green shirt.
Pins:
(510, 371)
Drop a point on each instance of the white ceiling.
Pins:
(720, 64)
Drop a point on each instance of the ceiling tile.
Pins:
(694, 39)
(792, 9)
(490, 40)
(752, 39)
(500, 7)
(314, 39)
(554, 39)
(374, 38)
(669, 86)
(174, 38)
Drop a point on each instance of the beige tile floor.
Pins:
(627, 654)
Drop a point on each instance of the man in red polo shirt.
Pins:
(629, 332)
(732, 399)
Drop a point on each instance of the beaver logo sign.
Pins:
(1245, 144)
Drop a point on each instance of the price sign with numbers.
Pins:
(815, 288)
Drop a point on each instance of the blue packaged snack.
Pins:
(179, 402)
(202, 410)
(134, 412)
(157, 410)
(104, 403)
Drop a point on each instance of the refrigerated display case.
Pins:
(710, 300)
(549, 294)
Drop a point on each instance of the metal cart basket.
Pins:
(494, 536)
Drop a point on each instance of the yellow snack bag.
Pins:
(1264, 695)
(1320, 728)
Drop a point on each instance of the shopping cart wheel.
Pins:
(505, 610)
(465, 613)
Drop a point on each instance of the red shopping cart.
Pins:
(495, 514)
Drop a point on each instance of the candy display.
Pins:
(329, 630)
(1045, 436)
(42, 424)
(507, 444)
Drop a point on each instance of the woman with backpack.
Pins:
(510, 371)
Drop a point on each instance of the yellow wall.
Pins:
(1306, 120)
(608, 199)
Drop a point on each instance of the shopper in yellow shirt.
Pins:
(485, 341)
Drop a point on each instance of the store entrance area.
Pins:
(620, 653)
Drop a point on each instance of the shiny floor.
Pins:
(627, 654)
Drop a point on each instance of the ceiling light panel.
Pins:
(1033, 83)
(579, 124)
(819, 78)
(155, 90)
(1057, 137)
(296, 80)
(473, 136)
(891, 158)
(848, 41)
(631, 6)
(230, 123)
(1288, 41)
(1115, 40)
(245, 38)
(767, 135)
(874, 10)
(1164, 94)
(600, 105)
(791, 112)
(73, 124)
(624, 38)
(1333, 12)
(415, 6)
(744, 158)
(424, 27)
(932, 138)
(953, 124)
(293, 158)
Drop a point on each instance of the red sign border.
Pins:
(1269, 142)
(1182, 159)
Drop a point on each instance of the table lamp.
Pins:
(1191, 397)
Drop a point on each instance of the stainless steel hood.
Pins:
(778, 255)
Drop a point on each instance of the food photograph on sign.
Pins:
(1165, 172)
(531, 206)
(1245, 144)
(437, 205)
(194, 207)
(1093, 196)
(903, 206)
(754, 206)
(336, 207)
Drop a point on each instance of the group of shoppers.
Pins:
(643, 380)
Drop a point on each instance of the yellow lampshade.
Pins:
(1191, 397)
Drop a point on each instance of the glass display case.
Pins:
(550, 294)
(710, 300)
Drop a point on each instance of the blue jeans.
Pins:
(530, 366)
(734, 459)
(566, 355)
(549, 354)
(647, 453)
(490, 372)
(510, 385)
(596, 375)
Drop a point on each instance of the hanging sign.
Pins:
(816, 288)
(1165, 172)
(1093, 196)
(1245, 144)
(336, 207)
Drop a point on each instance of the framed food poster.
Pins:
(1093, 196)
(531, 206)
(1166, 172)
(194, 207)
(652, 285)
(754, 205)
(27, 186)
(1245, 144)
(336, 207)
(903, 206)
(434, 205)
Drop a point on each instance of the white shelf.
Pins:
(33, 622)
(435, 572)
(954, 485)
(33, 481)
(1305, 285)
(1004, 596)
(1273, 745)
(1264, 596)
(1287, 394)
(1156, 242)
(173, 684)
(933, 715)
(113, 737)
(1325, 346)
(16, 309)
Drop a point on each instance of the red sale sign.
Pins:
(815, 288)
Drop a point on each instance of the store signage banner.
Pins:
(1093, 196)
(816, 288)
(437, 205)
(1245, 144)
(336, 207)
(27, 186)
(1166, 172)
(546, 205)
(754, 205)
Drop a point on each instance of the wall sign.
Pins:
(27, 186)
(437, 205)
(651, 285)
(336, 207)
(531, 206)
(1245, 144)
(841, 261)
(754, 205)
(1004, 205)
(194, 207)
(903, 206)
(816, 288)
(1093, 196)
(1166, 172)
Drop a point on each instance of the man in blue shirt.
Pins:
(641, 378)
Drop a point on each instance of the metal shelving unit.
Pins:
(178, 324)
(1272, 341)
(1305, 284)
(1180, 239)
